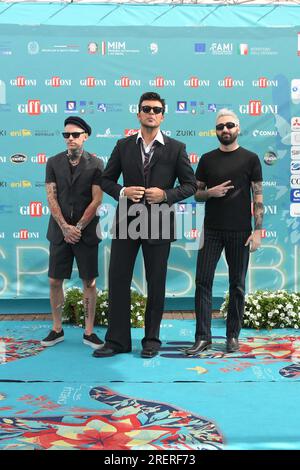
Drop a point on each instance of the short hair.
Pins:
(228, 112)
(152, 96)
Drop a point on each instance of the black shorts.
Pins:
(62, 257)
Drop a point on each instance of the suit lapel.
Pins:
(137, 156)
(158, 152)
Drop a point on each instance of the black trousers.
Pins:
(237, 257)
(122, 260)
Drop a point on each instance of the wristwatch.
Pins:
(79, 225)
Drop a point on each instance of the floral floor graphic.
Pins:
(63, 398)
(128, 424)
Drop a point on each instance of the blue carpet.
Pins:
(63, 398)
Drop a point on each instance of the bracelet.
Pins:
(79, 226)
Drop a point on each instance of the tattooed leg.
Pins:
(89, 301)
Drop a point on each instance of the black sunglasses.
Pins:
(75, 135)
(155, 109)
(229, 125)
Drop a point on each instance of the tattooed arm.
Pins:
(71, 234)
(90, 211)
(258, 213)
(203, 194)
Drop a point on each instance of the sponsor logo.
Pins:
(243, 49)
(195, 82)
(18, 158)
(295, 138)
(295, 181)
(24, 234)
(185, 133)
(186, 208)
(221, 48)
(71, 107)
(5, 48)
(269, 184)
(57, 82)
(268, 233)
(208, 133)
(192, 234)
(92, 82)
(161, 82)
(35, 209)
(200, 48)
(295, 167)
(35, 108)
(40, 158)
(22, 81)
(295, 210)
(129, 132)
(3, 133)
(295, 153)
(263, 82)
(33, 48)
(229, 82)
(153, 48)
(21, 184)
(93, 48)
(270, 158)
(256, 108)
(108, 135)
(20, 133)
(264, 133)
(295, 123)
(3, 184)
(194, 158)
(126, 82)
(181, 107)
(295, 90)
(109, 107)
(295, 195)
(116, 48)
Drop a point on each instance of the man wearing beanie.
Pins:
(73, 180)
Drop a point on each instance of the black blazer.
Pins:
(74, 193)
(168, 162)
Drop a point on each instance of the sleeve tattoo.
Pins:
(258, 207)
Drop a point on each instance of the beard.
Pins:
(226, 138)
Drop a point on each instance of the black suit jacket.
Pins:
(169, 162)
(74, 193)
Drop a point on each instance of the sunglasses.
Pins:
(155, 109)
(75, 135)
(229, 125)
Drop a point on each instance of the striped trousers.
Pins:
(237, 257)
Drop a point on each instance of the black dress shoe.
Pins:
(105, 351)
(199, 346)
(148, 353)
(232, 345)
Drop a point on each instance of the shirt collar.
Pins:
(158, 138)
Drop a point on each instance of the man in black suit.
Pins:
(150, 163)
(73, 191)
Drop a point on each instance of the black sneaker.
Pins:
(53, 338)
(92, 340)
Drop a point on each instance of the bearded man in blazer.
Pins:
(150, 163)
